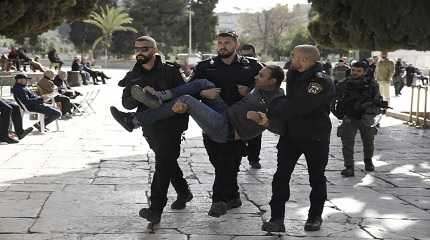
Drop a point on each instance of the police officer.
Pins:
(305, 111)
(359, 98)
(252, 147)
(164, 137)
(233, 76)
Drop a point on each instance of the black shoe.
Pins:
(347, 172)
(8, 140)
(255, 165)
(145, 97)
(95, 83)
(181, 201)
(24, 133)
(313, 224)
(122, 118)
(368, 165)
(234, 203)
(273, 226)
(85, 83)
(151, 215)
(218, 209)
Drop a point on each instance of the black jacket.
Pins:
(306, 108)
(358, 97)
(161, 77)
(241, 71)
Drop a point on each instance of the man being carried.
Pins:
(217, 120)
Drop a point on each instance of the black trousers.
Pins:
(66, 106)
(289, 151)
(166, 146)
(7, 110)
(253, 148)
(225, 157)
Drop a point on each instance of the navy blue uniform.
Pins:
(305, 111)
(226, 157)
(164, 136)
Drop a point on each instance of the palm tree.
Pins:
(109, 20)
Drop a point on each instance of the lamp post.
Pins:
(190, 13)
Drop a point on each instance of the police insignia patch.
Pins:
(314, 88)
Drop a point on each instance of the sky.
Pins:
(251, 5)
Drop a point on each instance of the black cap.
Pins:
(231, 34)
(361, 64)
(20, 76)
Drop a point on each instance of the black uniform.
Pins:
(9, 110)
(359, 99)
(225, 157)
(164, 136)
(305, 111)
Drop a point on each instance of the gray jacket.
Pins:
(256, 100)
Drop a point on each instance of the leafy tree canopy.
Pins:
(371, 25)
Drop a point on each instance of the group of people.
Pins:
(17, 58)
(233, 99)
(385, 71)
(51, 89)
(85, 70)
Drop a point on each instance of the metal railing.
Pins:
(417, 121)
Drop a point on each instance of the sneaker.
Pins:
(181, 201)
(150, 215)
(313, 224)
(255, 165)
(122, 118)
(145, 97)
(234, 203)
(368, 165)
(24, 133)
(218, 209)
(347, 172)
(273, 226)
(8, 140)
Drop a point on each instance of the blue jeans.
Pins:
(210, 116)
(50, 113)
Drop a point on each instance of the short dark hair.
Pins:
(360, 64)
(277, 73)
(247, 47)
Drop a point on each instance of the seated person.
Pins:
(94, 74)
(63, 86)
(77, 66)
(220, 122)
(10, 110)
(13, 58)
(4, 63)
(46, 87)
(35, 65)
(23, 59)
(54, 58)
(33, 102)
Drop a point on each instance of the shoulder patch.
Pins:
(314, 88)
(173, 64)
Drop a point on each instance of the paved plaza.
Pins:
(89, 180)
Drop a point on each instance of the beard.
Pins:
(142, 59)
(225, 53)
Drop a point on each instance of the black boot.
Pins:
(313, 223)
(218, 209)
(234, 203)
(181, 200)
(151, 215)
(368, 165)
(125, 119)
(348, 172)
(274, 226)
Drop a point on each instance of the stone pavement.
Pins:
(88, 181)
